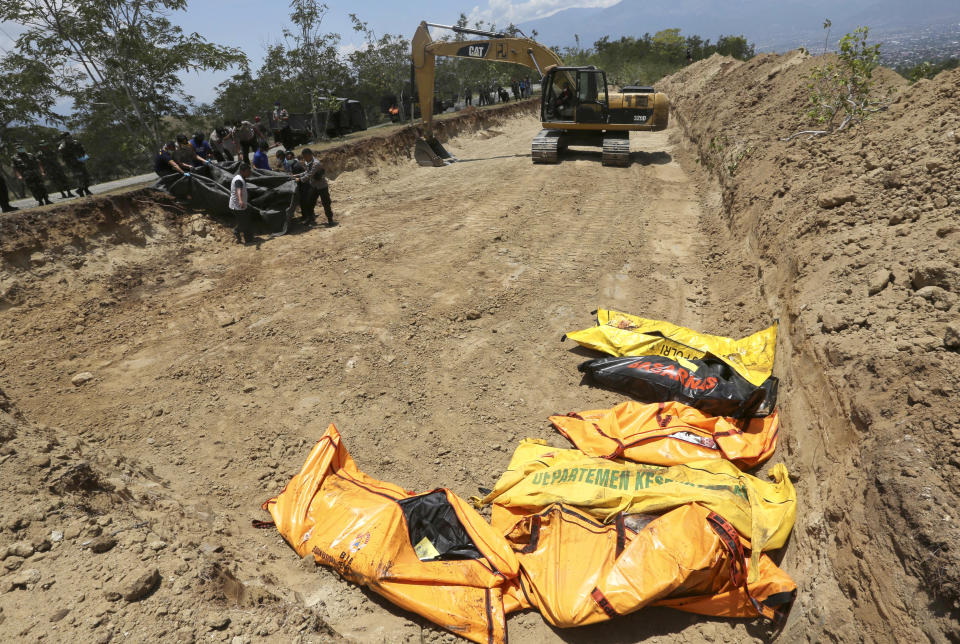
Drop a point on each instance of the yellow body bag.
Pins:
(622, 334)
(577, 571)
(539, 476)
(429, 553)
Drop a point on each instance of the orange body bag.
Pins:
(429, 553)
(577, 571)
(669, 433)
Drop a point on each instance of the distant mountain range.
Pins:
(770, 24)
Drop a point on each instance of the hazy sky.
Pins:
(252, 24)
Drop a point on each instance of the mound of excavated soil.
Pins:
(857, 237)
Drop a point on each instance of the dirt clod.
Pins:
(102, 544)
(142, 586)
(836, 197)
(951, 338)
(81, 378)
(879, 280)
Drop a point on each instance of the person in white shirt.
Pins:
(240, 207)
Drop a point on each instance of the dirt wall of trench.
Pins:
(397, 146)
(855, 237)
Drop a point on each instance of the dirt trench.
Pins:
(855, 235)
(426, 325)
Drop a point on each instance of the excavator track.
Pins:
(546, 146)
(616, 149)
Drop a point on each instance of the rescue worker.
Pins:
(5, 196)
(247, 136)
(185, 156)
(55, 171)
(201, 146)
(240, 206)
(75, 158)
(28, 169)
(219, 139)
(260, 159)
(163, 163)
(280, 165)
(291, 163)
(312, 185)
(468, 96)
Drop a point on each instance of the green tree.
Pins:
(29, 92)
(124, 55)
(927, 69)
(670, 45)
(381, 67)
(735, 46)
(841, 91)
(314, 57)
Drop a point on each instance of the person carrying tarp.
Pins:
(248, 137)
(240, 205)
(219, 138)
(185, 155)
(260, 159)
(312, 185)
(163, 163)
(201, 146)
(29, 170)
(75, 158)
(291, 164)
(55, 172)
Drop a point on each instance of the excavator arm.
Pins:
(495, 48)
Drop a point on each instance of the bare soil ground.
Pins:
(427, 326)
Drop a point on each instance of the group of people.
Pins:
(184, 155)
(34, 170)
(521, 89)
(312, 186)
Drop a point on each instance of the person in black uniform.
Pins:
(30, 171)
(5, 196)
(75, 158)
(58, 177)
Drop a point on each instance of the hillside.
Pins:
(768, 24)
(856, 239)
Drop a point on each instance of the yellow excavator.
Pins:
(576, 106)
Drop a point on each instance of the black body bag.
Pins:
(709, 385)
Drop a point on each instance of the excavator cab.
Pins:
(574, 95)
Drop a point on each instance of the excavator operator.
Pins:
(564, 103)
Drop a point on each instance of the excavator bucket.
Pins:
(432, 153)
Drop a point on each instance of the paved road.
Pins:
(142, 179)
